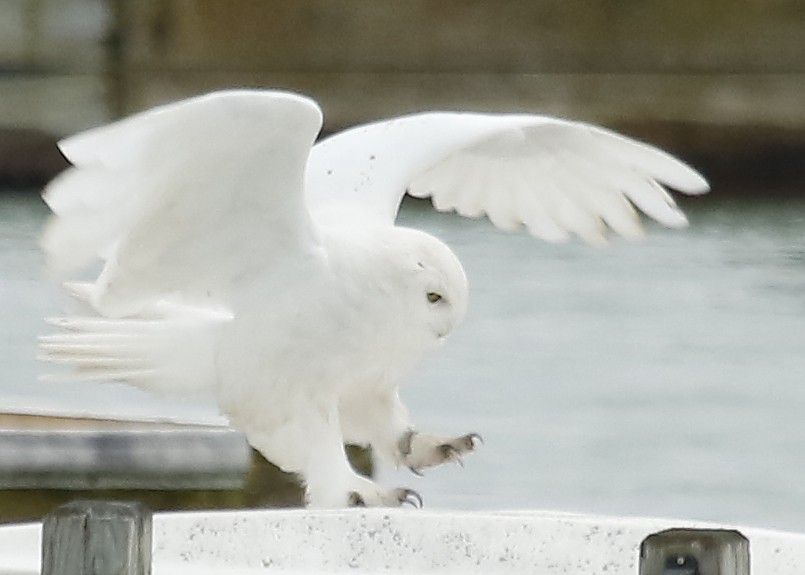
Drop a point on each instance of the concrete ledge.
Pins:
(402, 541)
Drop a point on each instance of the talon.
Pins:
(355, 500)
(410, 497)
(416, 471)
(472, 438)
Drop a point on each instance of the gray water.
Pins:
(655, 378)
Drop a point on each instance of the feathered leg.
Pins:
(321, 461)
(380, 419)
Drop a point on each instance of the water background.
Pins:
(655, 378)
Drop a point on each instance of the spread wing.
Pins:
(182, 202)
(185, 198)
(556, 177)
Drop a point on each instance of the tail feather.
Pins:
(132, 377)
(171, 352)
(98, 356)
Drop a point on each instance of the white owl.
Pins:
(246, 261)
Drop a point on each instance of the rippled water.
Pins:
(657, 378)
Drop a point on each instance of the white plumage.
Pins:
(243, 260)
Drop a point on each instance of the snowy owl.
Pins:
(243, 260)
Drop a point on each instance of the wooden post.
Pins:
(97, 538)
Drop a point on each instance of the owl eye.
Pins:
(433, 297)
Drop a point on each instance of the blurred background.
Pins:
(658, 378)
(720, 81)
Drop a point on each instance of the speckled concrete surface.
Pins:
(405, 541)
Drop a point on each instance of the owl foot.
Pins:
(420, 450)
(370, 494)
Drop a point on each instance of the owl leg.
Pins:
(311, 445)
(381, 420)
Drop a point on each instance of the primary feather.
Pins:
(244, 261)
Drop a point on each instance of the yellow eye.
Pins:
(433, 297)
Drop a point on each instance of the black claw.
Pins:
(410, 497)
(472, 437)
(355, 500)
(416, 471)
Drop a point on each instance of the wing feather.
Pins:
(570, 212)
(500, 206)
(92, 206)
(654, 162)
(541, 219)
(652, 199)
(573, 178)
(579, 178)
(183, 198)
(471, 195)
